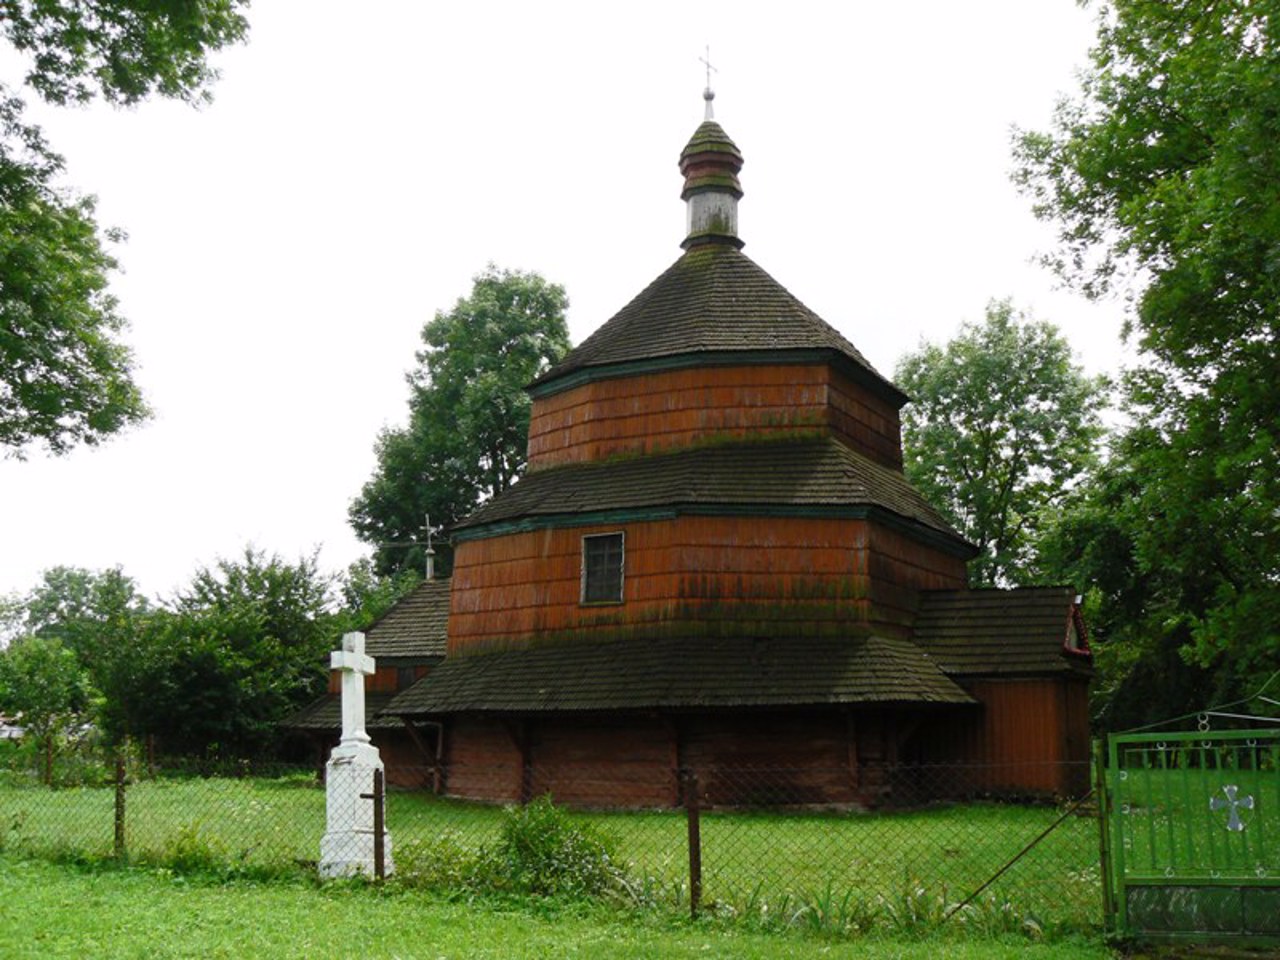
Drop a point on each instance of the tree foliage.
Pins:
(65, 376)
(65, 373)
(43, 684)
(213, 671)
(244, 646)
(468, 413)
(1002, 423)
(1162, 178)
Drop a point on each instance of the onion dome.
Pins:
(710, 164)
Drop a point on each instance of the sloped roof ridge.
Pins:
(713, 298)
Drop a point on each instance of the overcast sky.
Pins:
(360, 163)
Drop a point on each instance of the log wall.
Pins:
(680, 408)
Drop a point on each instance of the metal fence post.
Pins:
(692, 811)
(1104, 834)
(119, 846)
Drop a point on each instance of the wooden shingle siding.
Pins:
(671, 410)
(721, 572)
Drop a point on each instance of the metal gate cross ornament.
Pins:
(1232, 806)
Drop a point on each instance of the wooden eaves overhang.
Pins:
(774, 478)
(676, 674)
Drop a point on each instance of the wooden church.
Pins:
(714, 562)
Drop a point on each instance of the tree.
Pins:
(99, 618)
(368, 595)
(468, 413)
(245, 645)
(1161, 177)
(42, 683)
(1002, 423)
(65, 374)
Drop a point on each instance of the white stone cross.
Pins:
(355, 666)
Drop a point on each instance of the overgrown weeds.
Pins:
(540, 851)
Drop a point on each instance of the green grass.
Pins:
(907, 867)
(50, 910)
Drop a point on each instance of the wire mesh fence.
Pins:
(754, 841)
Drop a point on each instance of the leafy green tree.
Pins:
(367, 595)
(468, 414)
(1001, 425)
(1161, 177)
(92, 613)
(244, 647)
(65, 374)
(43, 684)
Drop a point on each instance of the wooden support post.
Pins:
(379, 824)
(518, 731)
(692, 811)
(119, 847)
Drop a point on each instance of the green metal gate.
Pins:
(1192, 835)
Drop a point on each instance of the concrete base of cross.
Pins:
(347, 847)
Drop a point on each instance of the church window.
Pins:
(602, 568)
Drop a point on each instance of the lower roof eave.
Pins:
(687, 709)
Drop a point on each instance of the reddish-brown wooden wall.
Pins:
(797, 757)
(898, 567)
(1031, 734)
(383, 680)
(674, 409)
(702, 575)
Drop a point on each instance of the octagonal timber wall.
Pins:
(672, 409)
(697, 575)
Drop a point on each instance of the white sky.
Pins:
(361, 163)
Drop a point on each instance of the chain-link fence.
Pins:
(735, 841)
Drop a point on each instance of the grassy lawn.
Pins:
(916, 861)
(50, 910)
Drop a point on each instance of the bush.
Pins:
(542, 851)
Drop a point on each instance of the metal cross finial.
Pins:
(1232, 806)
(708, 94)
(431, 554)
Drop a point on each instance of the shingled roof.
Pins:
(416, 627)
(325, 713)
(811, 473)
(679, 673)
(989, 632)
(714, 299)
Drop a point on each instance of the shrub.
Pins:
(542, 851)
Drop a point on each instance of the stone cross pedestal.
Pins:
(347, 847)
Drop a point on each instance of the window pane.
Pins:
(602, 569)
